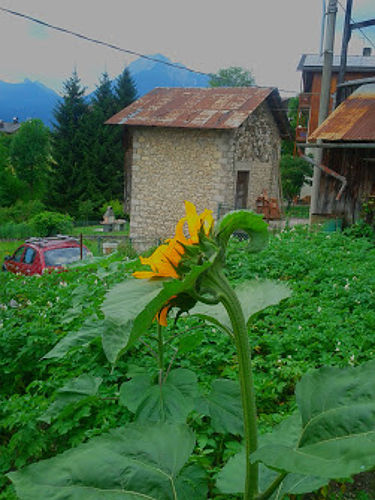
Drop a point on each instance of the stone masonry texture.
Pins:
(170, 165)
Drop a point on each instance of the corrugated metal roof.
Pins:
(309, 62)
(216, 108)
(353, 120)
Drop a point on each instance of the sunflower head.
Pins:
(169, 260)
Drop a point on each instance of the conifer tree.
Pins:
(126, 93)
(105, 160)
(125, 89)
(72, 181)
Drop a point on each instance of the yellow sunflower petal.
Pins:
(162, 316)
(193, 221)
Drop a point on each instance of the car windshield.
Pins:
(63, 256)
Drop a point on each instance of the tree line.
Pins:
(77, 166)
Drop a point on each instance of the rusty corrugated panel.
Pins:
(216, 108)
(353, 120)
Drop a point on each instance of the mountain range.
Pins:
(32, 99)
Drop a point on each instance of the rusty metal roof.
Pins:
(353, 120)
(209, 108)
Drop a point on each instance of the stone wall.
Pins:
(172, 165)
(257, 150)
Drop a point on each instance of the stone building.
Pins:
(216, 147)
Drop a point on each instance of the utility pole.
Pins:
(344, 49)
(329, 40)
(349, 26)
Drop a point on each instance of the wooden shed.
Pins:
(348, 139)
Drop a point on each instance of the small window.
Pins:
(18, 254)
(29, 256)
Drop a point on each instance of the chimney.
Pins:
(366, 51)
(15, 119)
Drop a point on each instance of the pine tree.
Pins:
(105, 161)
(72, 181)
(126, 93)
(125, 89)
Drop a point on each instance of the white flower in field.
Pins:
(299, 327)
(289, 356)
(4, 307)
(13, 303)
(339, 342)
(347, 286)
(337, 349)
(279, 361)
(328, 237)
(57, 299)
(354, 278)
(95, 282)
(319, 309)
(63, 283)
(28, 302)
(49, 303)
(352, 358)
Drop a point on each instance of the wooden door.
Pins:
(242, 189)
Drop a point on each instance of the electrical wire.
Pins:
(120, 49)
(359, 29)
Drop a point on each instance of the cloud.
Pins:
(267, 37)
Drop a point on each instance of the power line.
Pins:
(359, 29)
(116, 47)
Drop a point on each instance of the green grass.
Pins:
(8, 247)
(93, 231)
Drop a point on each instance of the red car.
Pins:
(37, 255)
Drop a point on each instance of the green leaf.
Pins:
(223, 405)
(253, 295)
(127, 299)
(91, 329)
(192, 484)
(133, 462)
(189, 342)
(337, 432)
(170, 289)
(231, 479)
(74, 391)
(134, 303)
(247, 221)
(172, 402)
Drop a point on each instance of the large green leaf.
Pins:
(231, 479)
(126, 300)
(247, 221)
(134, 462)
(74, 391)
(90, 330)
(254, 297)
(114, 336)
(171, 402)
(337, 432)
(223, 405)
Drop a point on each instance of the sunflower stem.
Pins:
(233, 307)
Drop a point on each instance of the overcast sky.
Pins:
(265, 36)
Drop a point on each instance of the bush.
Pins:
(117, 208)
(51, 223)
(21, 211)
(16, 231)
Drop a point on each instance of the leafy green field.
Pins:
(328, 320)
